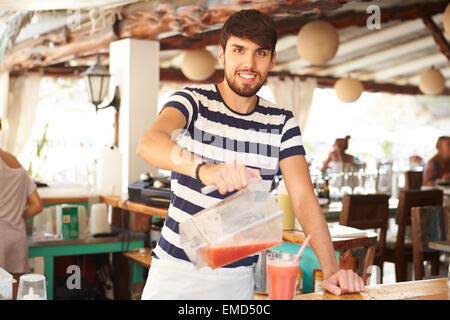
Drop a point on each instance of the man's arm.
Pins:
(157, 146)
(34, 205)
(307, 210)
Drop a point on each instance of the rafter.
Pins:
(437, 35)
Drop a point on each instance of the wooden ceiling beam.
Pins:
(176, 76)
(437, 35)
(292, 25)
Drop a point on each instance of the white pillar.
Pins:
(4, 92)
(134, 67)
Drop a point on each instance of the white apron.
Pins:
(180, 280)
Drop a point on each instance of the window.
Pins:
(75, 133)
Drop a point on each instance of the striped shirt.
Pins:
(216, 133)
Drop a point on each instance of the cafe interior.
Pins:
(81, 81)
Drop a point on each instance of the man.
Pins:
(224, 134)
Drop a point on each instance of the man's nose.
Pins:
(249, 61)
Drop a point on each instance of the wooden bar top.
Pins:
(141, 256)
(123, 203)
(433, 289)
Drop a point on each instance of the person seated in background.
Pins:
(338, 160)
(19, 201)
(438, 167)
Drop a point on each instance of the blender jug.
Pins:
(241, 225)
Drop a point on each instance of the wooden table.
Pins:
(434, 289)
(332, 210)
(443, 246)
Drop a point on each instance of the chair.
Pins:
(428, 224)
(413, 180)
(399, 252)
(367, 212)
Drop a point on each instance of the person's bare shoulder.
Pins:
(10, 160)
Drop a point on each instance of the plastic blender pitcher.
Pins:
(241, 225)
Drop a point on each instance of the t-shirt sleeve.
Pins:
(291, 138)
(185, 102)
(31, 186)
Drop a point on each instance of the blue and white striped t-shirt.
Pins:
(213, 131)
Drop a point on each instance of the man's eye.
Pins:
(261, 53)
(238, 50)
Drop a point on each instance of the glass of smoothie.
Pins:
(282, 275)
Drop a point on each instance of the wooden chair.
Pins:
(428, 224)
(413, 180)
(399, 252)
(367, 212)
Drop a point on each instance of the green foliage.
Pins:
(387, 147)
(40, 145)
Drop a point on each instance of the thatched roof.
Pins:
(410, 38)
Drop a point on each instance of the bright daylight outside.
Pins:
(68, 134)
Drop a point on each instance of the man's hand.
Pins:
(228, 176)
(343, 281)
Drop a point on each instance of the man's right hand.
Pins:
(227, 176)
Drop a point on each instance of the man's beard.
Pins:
(246, 90)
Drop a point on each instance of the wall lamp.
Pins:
(97, 78)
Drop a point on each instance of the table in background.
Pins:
(443, 246)
(332, 210)
(126, 240)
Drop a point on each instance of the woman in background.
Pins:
(338, 160)
(438, 167)
(19, 201)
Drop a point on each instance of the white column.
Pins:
(134, 67)
(4, 92)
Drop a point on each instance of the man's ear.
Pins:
(220, 55)
(272, 63)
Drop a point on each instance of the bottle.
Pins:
(326, 189)
(299, 286)
(318, 278)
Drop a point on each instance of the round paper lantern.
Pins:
(431, 82)
(198, 64)
(348, 89)
(446, 20)
(317, 42)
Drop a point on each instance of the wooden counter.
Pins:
(141, 256)
(434, 289)
(123, 203)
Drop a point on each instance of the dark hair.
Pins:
(440, 140)
(252, 25)
(342, 142)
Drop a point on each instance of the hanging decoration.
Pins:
(432, 82)
(198, 64)
(348, 89)
(317, 42)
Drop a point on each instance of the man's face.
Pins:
(246, 65)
